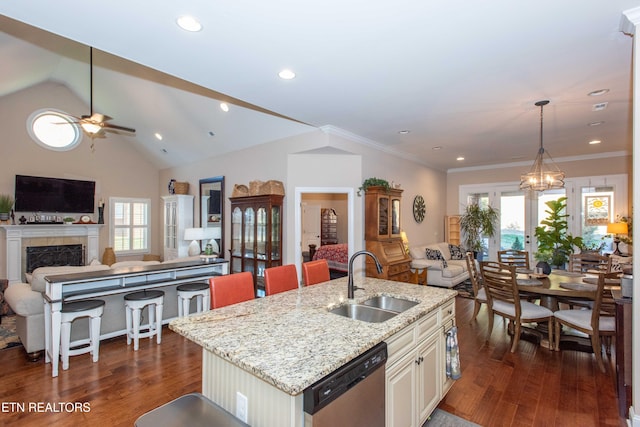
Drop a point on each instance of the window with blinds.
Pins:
(129, 225)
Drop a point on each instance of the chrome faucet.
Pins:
(350, 287)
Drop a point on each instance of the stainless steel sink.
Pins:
(365, 313)
(390, 303)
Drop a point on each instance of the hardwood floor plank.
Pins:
(532, 387)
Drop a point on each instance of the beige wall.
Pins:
(116, 167)
(573, 169)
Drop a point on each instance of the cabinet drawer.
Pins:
(398, 268)
(402, 277)
(427, 325)
(400, 343)
(448, 311)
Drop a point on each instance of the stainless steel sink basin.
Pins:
(365, 313)
(390, 303)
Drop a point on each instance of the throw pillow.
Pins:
(456, 251)
(435, 254)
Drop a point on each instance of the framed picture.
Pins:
(597, 210)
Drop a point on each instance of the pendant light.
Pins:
(542, 176)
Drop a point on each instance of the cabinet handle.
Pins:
(450, 311)
(417, 361)
(421, 359)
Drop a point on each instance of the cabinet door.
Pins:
(276, 233)
(236, 240)
(428, 377)
(400, 392)
(395, 217)
(249, 244)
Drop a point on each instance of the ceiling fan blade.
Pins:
(110, 126)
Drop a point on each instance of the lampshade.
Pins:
(542, 176)
(617, 228)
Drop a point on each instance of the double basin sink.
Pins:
(375, 310)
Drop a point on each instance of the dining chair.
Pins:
(503, 299)
(314, 272)
(479, 293)
(280, 279)
(589, 263)
(231, 289)
(598, 321)
(513, 257)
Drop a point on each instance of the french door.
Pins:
(591, 204)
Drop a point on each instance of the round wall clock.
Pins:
(419, 209)
(85, 219)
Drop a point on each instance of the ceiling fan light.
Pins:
(91, 128)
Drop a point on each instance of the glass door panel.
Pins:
(383, 216)
(275, 235)
(513, 233)
(595, 213)
(395, 217)
(261, 233)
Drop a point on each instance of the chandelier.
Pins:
(542, 176)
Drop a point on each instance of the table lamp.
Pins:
(210, 234)
(195, 235)
(617, 228)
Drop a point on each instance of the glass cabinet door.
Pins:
(170, 224)
(236, 240)
(275, 235)
(249, 240)
(395, 217)
(383, 216)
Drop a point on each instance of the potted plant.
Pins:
(374, 182)
(551, 234)
(6, 203)
(68, 220)
(477, 221)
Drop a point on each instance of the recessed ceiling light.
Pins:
(404, 132)
(598, 92)
(460, 158)
(439, 147)
(189, 23)
(224, 106)
(158, 136)
(594, 142)
(598, 123)
(286, 74)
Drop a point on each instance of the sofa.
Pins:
(447, 266)
(26, 300)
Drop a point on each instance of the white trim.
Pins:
(112, 226)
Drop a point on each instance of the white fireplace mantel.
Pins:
(15, 233)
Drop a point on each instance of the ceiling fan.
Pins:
(95, 125)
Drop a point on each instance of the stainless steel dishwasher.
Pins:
(353, 395)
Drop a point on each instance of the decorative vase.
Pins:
(4, 216)
(546, 268)
(109, 256)
(100, 214)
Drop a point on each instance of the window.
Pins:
(53, 130)
(130, 225)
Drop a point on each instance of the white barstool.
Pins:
(134, 303)
(75, 310)
(186, 291)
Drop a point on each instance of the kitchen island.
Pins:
(271, 349)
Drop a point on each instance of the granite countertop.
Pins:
(290, 340)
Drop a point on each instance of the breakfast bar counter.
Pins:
(290, 340)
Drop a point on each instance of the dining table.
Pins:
(559, 285)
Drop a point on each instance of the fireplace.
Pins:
(54, 256)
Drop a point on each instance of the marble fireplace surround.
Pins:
(17, 237)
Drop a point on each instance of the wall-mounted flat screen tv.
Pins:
(40, 194)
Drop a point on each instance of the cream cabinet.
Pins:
(415, 372)
(177, 216)
(452, 229)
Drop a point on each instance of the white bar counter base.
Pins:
(270, 349)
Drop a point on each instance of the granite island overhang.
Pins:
(291, 340)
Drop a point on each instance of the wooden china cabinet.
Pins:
(256, 236)
(382, 234)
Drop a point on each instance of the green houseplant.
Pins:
(477, 221)
(554, 243)
(6, 203)
(373, 182)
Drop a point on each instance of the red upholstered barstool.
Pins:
(231, 289)
(280, 279)
(315, 272)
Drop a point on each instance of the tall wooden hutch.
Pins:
(382, 234)
(256, 235)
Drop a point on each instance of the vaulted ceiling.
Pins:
(461, 77)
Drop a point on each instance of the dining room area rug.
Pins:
(465, 289)
(8, 336)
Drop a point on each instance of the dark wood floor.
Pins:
(533, 387)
